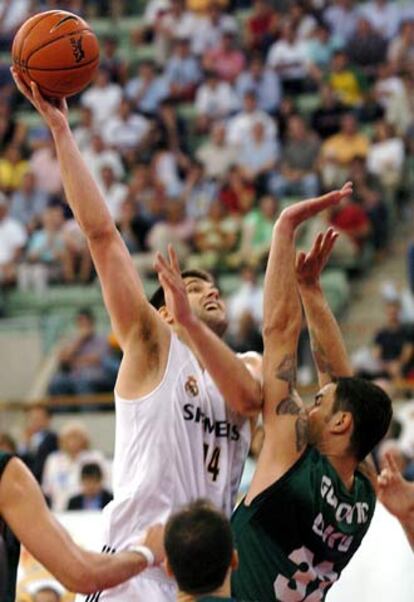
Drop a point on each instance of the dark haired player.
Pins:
(183, 399)
(309, 506)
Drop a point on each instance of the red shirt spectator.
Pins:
(352, 220)
(225, 60)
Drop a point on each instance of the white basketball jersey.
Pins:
(178, 443)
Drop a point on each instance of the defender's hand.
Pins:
(395, 493)
(310, 265)
(154, 540)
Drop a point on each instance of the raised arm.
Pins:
(328, 347)
(285, 418)
(242, 391)
(45, 538)
(137, 325)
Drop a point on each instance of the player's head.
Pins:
(352, 413)
(204, 297)
(199, 548)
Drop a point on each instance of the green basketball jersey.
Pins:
(296, 537)
(11, 545)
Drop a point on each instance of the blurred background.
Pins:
(206, 118)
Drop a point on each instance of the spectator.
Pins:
(347, 83)
(39, 439)
(352, 222)
(45, 260)
(7, 443)
(147, 90)
(212, 26)
(165, 169)
(182, 71)
(214, 100)
(79, 264)
(176, 22)
(248, 299)
(177, 229)
(98, 155)
(366, 48)
(216, 154)
(126, 131)
(94, 496)
(28, 202)
(61, 479)
(12, 169)
(258, 156)
(171, 129)
(226, 59)
(45, 166)
(13, 238)
(341, 18)
(263, 81)
(240, 127)
(103, 98)
(199, 191)
(321, 46)
(140, 186)
(236, 194)
(114, 192)
(11, 131)
(215, 238)
(257, 232)
(384, 17)
(326, 119)
(84, 130)
(80, 361)
(390, 92)
(338, 151)
(262, 26)
(302, 20)
(386, 156)
(298, 169)
(401, 48)
(200, 552)
(111, 62)
(12, 15)
(133, 226)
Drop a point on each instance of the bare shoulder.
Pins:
(254, 363)
(14, 480)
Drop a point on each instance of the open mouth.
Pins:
(211, 306)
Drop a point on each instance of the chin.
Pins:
(216, 321)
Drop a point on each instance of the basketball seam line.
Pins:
(64, 68)
(69, 33)
(30, 31)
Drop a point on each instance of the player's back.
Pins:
(174, 445)
(296, 537)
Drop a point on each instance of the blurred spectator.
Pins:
(148, 89)
(203, 5)
(97, 155)
(47, 593)
(240, 127)
(199, 191)
(216, 154)
(126, 131)
(80, 361)
(342, 18)
(302, 19)
(339, 150)
(384, 17)
(182, 71)
(262, 26)
(175, 22)
(93, 495)
(13, 238)
(226, 59)
(45, 259)
(214, 100)
(326, 119)
(27, 203)
(166, 172)
(133, 227)
(140, 186)
(350, 220)
(84, 130)
(346, 82)
(212, 26)
(39, 440)
(248, 299)
(114, 192)
(177, 229)
(298, 168)
(257, 232)
(263, 81)
(366, 48)
(12, 15)
(390, 92)
(7, 443)
(103, 98)
(61, 477)
(170, 128)
(401, 48)
(45, 165)
(257, 157)
(386, 156)
(236, 194)
(215, 238)
(111, 61)
(79, 264)
(321, 46)
(154, 10)
(289, 57)
(11, 131)
(12, 168)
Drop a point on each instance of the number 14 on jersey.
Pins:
(212, 461)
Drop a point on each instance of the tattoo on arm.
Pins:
(322, 362)
(286, 370)
(289, 406)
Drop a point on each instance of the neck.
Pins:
(186, 339)
(224, 591)
(345, 466)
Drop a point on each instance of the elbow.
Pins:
(250, 403)
(284, 326)
(83, 582)
(101, 232)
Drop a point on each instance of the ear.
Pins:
(234, 561)
(165, 314)
(341, 422)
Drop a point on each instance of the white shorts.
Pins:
(137, 589)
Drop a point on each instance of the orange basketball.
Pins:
(58, 50)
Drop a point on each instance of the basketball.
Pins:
(57, 50)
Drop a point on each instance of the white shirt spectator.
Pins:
(386, 90)
(255, 156)
(114, 196)
(282, 53)
(153, 10)
(125, 134)
(249, 298)
(17, 11)
(96, 161)
(217, 158)
(342, 22)
(166, 172)
(12, 238)
(386, 155)
(383, 16)
(216, 101)
(209, 34)
(103, 102)
(240, 126)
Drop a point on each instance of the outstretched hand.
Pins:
(54, 111)
(170, 278)
(395, 493)
(310, 265)
(300, 212)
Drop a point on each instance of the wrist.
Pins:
(310, 287)
(145, 553)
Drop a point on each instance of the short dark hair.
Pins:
(92, 470)
(199, 547)
(157, 299)
(39, 405)
(371, 410)
(86, 312)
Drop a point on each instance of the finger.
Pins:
(392, 464)
(162, 262)
(346, 189)
(39, 99)
(174, 259)
(300, 260)
(21, 84)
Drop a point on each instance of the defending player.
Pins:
(176, 437)
(24, 511)
(308, 506)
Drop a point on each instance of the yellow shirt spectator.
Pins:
(201, 6)
(343, 148)
(12, 169)
(347, 87)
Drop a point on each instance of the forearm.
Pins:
(109, 570)
(242, 392)
(328, 347)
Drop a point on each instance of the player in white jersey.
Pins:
(183, 398)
